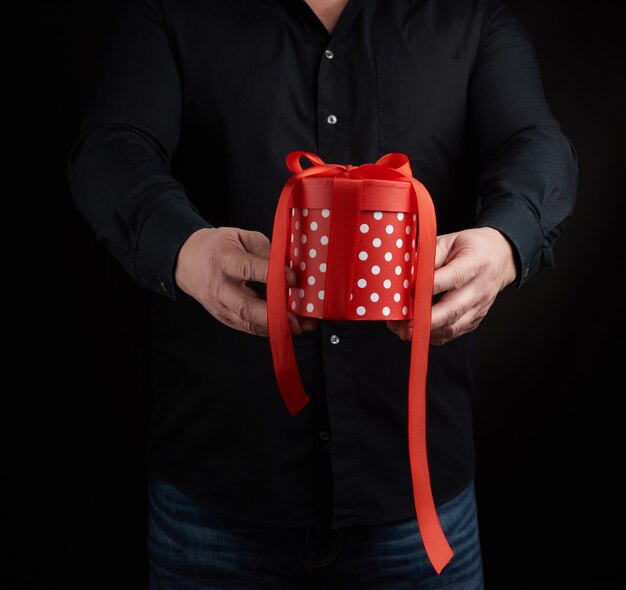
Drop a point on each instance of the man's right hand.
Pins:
(214, 266)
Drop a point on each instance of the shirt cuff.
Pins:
(521, 227)
(161, 237)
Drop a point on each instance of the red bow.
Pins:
(345, 214)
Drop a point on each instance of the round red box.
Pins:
(384, 269)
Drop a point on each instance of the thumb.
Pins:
(258, 244)
(255, 243)
(442, 250)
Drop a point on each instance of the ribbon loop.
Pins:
(293, 161)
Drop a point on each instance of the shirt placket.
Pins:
(332, 114)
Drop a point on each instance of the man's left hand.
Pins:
(471, 267)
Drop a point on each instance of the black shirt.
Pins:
(195, 108)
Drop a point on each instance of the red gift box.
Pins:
(361, 240)
(381, 261)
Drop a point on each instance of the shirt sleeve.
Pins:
(119, 168)
(528, 167)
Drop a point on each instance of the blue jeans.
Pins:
(191, 547)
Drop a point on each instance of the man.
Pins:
(178, 169)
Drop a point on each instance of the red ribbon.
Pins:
(346, 205)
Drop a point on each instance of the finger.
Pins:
(255, 242)
(244, 266)
(442, 250)
(290, 275)
(454, 275)
(229, 318)
(299, 325)
(258, 244)
(468, 323)
(248, 309)
(454, 305)
(295, 325)
(402, 328)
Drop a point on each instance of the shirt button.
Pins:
(324, 435)
(328, 54)
(331, 119)
(334, 339)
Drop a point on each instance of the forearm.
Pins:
(122, 185)
(527, 192)
(527, 165)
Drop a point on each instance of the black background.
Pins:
(549, 355)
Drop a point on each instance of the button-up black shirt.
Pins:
(196, 106)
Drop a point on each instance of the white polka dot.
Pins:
(414, 216)
(305, 212)
(378, 215)
(295, 251)
(406, 283)
(292, 237)
(362, 283)
(364, 228)
(360, 310)
(398, 270)
(324, 240)
(412, 243)
(389, 229)
(388, 256)
(302, 265)
(387, 284)
(311, 280)
(376, 242)
(291, 264)
(303, 238)
(386, 310)
(313, 225)
(374, 297)
(293, 212)
(321, 294)
(407, 257)
(297, 225)
(301, 292)
(412, 269)
(310, 307)
(312, 253)
(293, 305)
(408, 230)
(289, 292)
(323, 267)
(405, 310)
(400, 216)
(325, 212)
(399, 243)
(375, 269)
(363, 255)
(351, 296)
(396, 297)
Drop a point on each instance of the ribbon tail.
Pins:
(283, 355)
(435, 543)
